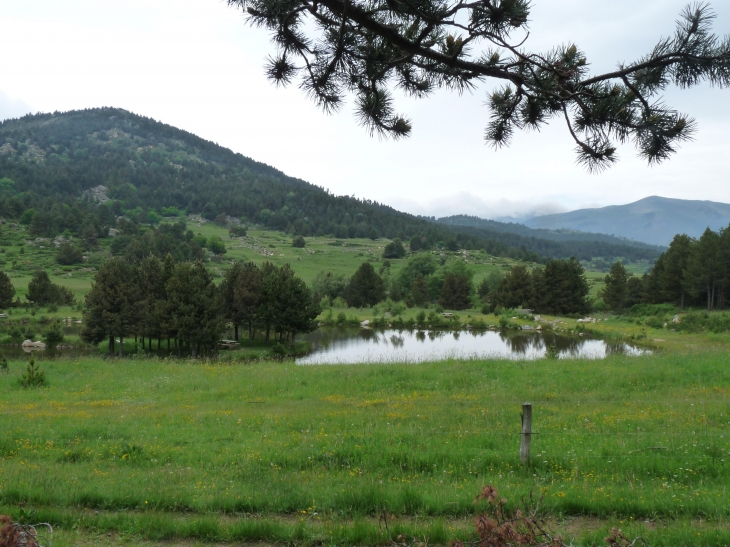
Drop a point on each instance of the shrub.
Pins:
(54, 335)
(69, 254)
(216, 245)
(28, 334)
(298, 242)
(552, 352)
(655, 322)
(479, 324)
(394, 249)
(397, 309)
(237, 231)
(33, 376)
(339, 302)
(4, 368)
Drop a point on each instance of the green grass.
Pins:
(622, 439)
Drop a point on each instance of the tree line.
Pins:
(691, 271)
(163, 300)
(422, 280)
(558, 288)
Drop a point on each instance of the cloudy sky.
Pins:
(196, 65)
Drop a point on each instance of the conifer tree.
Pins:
(703, 274)
(152, 292)
(339, 47)
(515, 289)
(7, 291)
(616, 292)
(418, 295)
(247, 295)
(194, 307)
(455, 294)
(674, 264)
(111, 304)
(366, 287)
(227, 294)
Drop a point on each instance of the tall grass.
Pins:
(630, 438)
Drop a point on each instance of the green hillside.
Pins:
(143, 169)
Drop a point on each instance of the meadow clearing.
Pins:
(147, 449)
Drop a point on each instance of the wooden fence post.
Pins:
(526, 433)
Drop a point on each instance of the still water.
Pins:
(351, 346)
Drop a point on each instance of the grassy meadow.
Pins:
(184, 452)
(270, 451)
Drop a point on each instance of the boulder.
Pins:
(31, 344)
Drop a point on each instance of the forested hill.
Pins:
(150, 169)
(540, 233)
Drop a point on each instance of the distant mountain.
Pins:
(540, 233)
(654, 220)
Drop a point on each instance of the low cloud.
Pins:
(465, 203)
(12, 108)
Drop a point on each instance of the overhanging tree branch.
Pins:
(370, 47)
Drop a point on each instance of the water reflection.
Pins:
(333, 346)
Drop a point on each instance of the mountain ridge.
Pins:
(149, 166)
(560, 234)
(653, 219)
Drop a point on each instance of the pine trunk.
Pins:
(111, 345)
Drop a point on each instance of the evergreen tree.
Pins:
(42, 291)
(654, 287)
(615, 293)
(151, 293)
(366, 287)
(703, 274)
(7, 291)
(455, 294)
(394, 249)
(418, 295)
(68, 254)
(194, 308)
(515, 290)
(567, 287)
(299, 310)
(227, 294)
(338, 47)
(247, 294)
(674, 264)
(267, 313)
(111, 304)
(540, 299)
(635, 291)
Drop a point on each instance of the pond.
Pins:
(351, 346)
